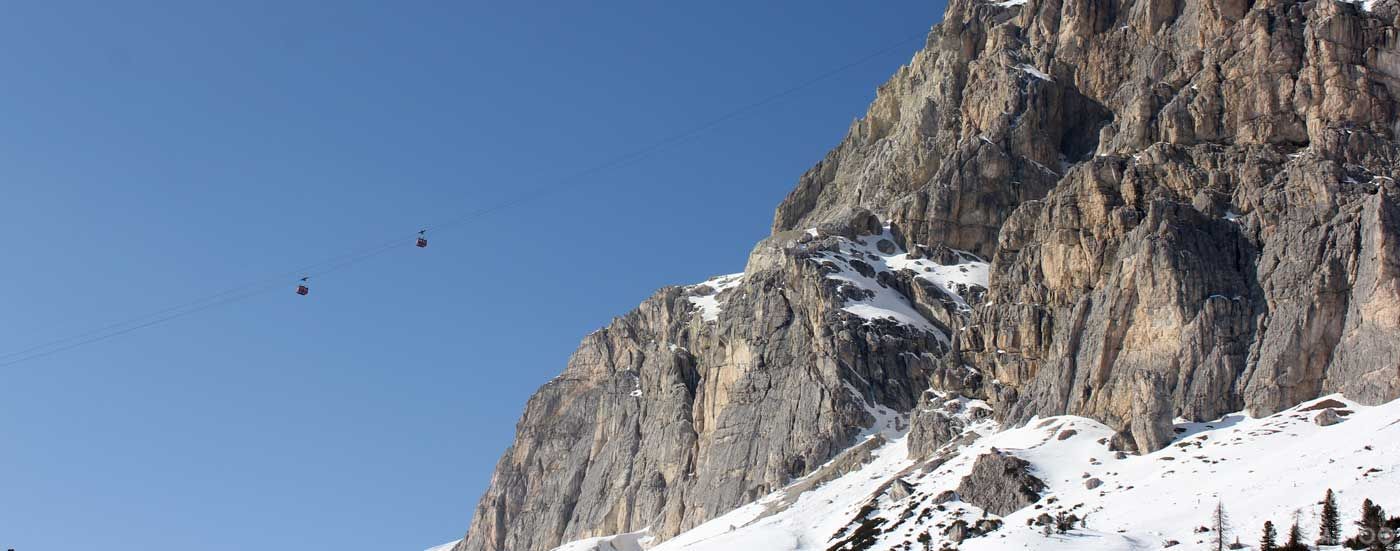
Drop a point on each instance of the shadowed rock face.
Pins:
(1188, 205)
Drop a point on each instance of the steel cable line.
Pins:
(200, 303)
(159, 320)
(346, 260)
(180, 310)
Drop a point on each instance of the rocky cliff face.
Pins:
(709, 396)
(1127, 210)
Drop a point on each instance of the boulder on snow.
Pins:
(899, 489)
(960, 530)
(1122, 442)
(1327, 418)
(945, 497)
(1092, 483)
(1000, 484)
(957, 531)
(985, 526)
(886, 246)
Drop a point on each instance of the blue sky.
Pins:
(154, 153)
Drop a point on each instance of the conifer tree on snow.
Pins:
(1369, 529)
(1220, 522)
(1330, 525)
(1269, 540)
(1295, 539)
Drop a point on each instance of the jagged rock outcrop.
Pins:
(1213, 227)
(940, 419)
(1188, 208)
(1000, 484)
(1232, 244)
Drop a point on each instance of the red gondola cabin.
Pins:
(302, 290)
(422, 242)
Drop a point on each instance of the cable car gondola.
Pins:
(302, 289)
(422, 239)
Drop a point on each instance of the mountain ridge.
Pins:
(1184, 210)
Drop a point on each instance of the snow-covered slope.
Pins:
(1272, 468)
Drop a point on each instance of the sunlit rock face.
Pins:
(1130, 211)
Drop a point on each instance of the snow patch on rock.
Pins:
(858, 263)
(1365, 5)
(445, 547)
(707, 294)
(1032, 71)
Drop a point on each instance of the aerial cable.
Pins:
(159, 320)
(334, 264)
(346, 260)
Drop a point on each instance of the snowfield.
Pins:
(1271, 468)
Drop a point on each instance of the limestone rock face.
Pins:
(1190, 207)
(1177, 208)
(678, 411)
(1184, 283)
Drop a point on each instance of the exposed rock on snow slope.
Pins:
(1130, 211)
(1000, 484)
(1260, 469)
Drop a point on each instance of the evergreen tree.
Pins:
(1369, 528)
(1269, 541)
(1330, 525)
(1394, 525)
(1295, 539)
(1220, 522)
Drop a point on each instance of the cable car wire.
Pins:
(157, 321)
(346, 260)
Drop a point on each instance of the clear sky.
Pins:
(154, 153)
